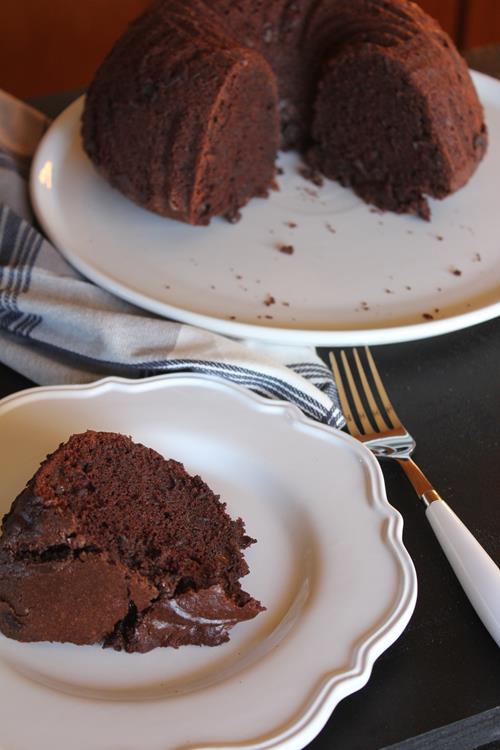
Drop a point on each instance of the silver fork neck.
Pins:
(393, 446)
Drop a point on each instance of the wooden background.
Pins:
(53, 45)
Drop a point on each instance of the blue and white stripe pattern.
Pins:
(266, 385)
(19, 246)
(56, 326)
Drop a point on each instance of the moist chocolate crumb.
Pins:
(439, 237)
(423, 210)
(167, 286)
(233, 217)
(456, 271)
(232, 317)
(291, 224)
(428, 316)
(408, 287)
(268, 317)
(308, 173)
(330, 228)
(238, 276)
(365, 306)
(309, 191)
(269, 300)
(436, 310)
(388, 291)
(280, 171)
(286, 249)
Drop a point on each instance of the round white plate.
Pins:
(329, 565)
(356, 276)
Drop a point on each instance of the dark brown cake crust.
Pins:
(111, 543)
(182, 116)
(181, 120)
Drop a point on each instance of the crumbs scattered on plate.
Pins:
(430, 316)
(308, 173)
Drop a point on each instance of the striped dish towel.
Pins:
(58, 327)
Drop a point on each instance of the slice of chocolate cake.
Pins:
(110, 543)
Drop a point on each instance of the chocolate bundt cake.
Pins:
(187, 112)
(110, 543)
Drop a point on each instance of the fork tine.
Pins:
(377, 416)
(391, 413)
(365, 422)
(344, 403)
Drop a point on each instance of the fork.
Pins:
(387, 438)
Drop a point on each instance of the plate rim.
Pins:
(288, 336)
(320, 699)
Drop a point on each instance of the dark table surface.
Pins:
(438, 686)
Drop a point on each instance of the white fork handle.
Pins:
(474, 568)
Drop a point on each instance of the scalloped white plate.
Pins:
(355, 276)
(329, 565)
